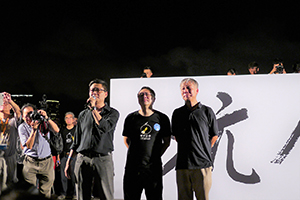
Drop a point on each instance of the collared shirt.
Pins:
(41, 148)
(194, 130)
(94, 138)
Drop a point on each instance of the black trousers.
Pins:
(136, 180)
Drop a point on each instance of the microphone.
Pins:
(88, 104)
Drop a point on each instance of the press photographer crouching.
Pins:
(34, 133)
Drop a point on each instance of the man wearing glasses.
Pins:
(93, 141)
(147, 136)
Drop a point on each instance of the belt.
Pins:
(39, 159)
(93, 154)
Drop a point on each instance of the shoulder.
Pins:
(179, 109)
(208, 111)
(161, 115)
(82, 113)
(111, 110)
(206, 108)
(21, 128)
(132, 115)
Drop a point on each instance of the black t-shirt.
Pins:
(145, 134)
(68, 137)
(194, 130)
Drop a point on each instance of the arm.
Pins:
(213, 140)
(126, 141)
(97, 116)
(107, 122)
(52, 124)
(166, 144)
(15, 107)
(68, 166)
(30, 141)
(273, 70)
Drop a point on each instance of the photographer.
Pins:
(38, 163)
(147, 72)
(8, 140)
(278, 67)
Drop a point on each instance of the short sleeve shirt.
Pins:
(194, 130)
(145, 134)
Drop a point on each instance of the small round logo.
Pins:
(156, 127)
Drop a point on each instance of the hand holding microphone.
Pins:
(92, 102)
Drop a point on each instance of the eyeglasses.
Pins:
(144, 93)
(95, 89)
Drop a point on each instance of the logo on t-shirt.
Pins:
(69, 138)
(145, 130)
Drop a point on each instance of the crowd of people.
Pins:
(278, 68)
(86, 162)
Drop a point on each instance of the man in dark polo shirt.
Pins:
(195, 128)
(93, 141)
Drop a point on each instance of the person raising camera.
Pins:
(278, 67)
(38, 163)
(8, 140)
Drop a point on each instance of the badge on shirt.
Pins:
(156, 127)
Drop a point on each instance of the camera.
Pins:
(279, 69)
(144, 75)
(36, 116)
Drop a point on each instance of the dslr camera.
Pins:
(36, 116)
(279, 69)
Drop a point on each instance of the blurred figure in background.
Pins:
(253, 68)
(67, 133)
(231, 72)
(296, 67)
(147, 72)
(278, 67)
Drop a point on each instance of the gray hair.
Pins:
(70, 113)
(186, 80)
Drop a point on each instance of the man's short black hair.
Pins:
(277, 61)
(99, 81)
(148, 88)
(252, 65)
(26, 106)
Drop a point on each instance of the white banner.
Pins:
(257, 154)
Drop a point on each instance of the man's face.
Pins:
(148, 72)
(69, 119)
(189, 91)
(26, 114)
(98, 91)
(253, 70)
(276, 65)
(145, 98)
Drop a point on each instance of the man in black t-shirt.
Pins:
(67, 133)
(147, 136)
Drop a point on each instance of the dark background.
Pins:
(57, 47)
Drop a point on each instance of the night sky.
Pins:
(57, 47)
